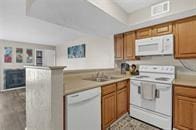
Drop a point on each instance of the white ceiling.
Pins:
(79, 15)
(94, 17)
(75, 17)
(133, 5)
(16, 26)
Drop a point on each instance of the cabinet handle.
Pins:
(75, 96)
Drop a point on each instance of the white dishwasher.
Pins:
(83, 110)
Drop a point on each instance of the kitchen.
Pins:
(95, 83)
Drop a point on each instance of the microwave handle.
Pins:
(162, 50)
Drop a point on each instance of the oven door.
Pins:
(163, 98)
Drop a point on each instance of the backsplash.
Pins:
(164, 60)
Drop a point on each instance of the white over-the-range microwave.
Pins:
(160, 45)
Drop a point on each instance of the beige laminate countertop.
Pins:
(77, 84)
(74, 84)
(185, 80)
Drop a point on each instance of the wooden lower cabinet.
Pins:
(115, 100)
(184, 108)
(108, 109)
(122, 102)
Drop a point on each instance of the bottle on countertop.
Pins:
(134, 70)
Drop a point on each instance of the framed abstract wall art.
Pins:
(29, 56)
(8, 54)
(19, 55)
(78, 51)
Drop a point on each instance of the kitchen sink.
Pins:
(97, 79)
(103, 79)
(116, 77)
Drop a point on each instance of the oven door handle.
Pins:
(139, 89)
(157, 93)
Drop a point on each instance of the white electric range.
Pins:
(151, 95)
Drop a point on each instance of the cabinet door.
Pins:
(129, 46)
(122, 102)
(185, 38)
(162, 29)
(118, 46)
(144, 33)
(185, 108)
(108, 109)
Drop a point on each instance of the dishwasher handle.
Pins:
(83, 96)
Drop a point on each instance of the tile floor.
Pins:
(128, 123)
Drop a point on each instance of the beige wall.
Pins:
(99, 53)
(178, 9)
(177, 6)
(142, 18)
(14, 45)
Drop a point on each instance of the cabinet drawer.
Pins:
(185, 91)
(108, 89)
(121, 85)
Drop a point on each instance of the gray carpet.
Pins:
(128, 123)
(12, 110)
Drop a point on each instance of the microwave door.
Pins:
(151, 47)
(168, 46)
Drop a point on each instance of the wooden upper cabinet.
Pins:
(129, 46)
(118, 46)
(144, 33)
(185, 38)
(162, 29)
(184, 108)
(156, 30)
